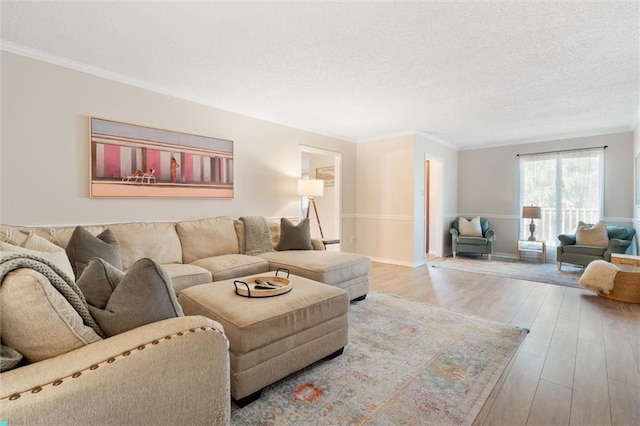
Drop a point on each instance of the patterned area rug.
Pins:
(406, 363)
(513, 268)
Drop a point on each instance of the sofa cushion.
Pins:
(207, 237)
(586, 250)
(474, 241)
(294, 237)
(592, 235)
(470, 228)
(38, 246)
(232, 266)
(98, 281)
(183, 276)
(156, 240)
(144, 295)
(83, 246)
(37, 320)
(327, 267)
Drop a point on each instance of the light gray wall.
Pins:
(636, 181)
(489, 183)
(44, 169)
(424, 147)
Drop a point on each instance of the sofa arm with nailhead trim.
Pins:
(174, 371)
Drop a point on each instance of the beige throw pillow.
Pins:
(595, 235)
(37, 320)
(470, 228)
(40, 247)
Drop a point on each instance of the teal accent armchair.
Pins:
(476, 245)
(620, 238)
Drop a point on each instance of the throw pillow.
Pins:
(143, 295)
(294, 237)
(470, 228)
(40, 247)
(83, 246)
(595, 235)
(37, 320)
(9, 358)
(98, 281)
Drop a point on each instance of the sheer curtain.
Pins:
(567, 185)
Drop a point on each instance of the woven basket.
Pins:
(626, 287)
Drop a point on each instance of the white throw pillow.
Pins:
(470, 228)
(592, 236)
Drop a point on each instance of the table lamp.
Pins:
(531, 212)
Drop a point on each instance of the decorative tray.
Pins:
(264, 286)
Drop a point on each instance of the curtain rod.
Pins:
(564, 150)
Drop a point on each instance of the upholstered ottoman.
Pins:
(272, 337)
(347, 271)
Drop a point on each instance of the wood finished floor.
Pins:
(580, 363)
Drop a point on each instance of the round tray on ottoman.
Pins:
(266, 286)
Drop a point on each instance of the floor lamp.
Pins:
(312, 188)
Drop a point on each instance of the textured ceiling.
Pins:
(469, 73)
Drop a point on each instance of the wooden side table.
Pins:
(532, 246)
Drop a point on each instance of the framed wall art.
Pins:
(128, 160)
(328, 174)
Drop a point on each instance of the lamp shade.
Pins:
(311, 187)
(531, 212)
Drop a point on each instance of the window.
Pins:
(567, 185)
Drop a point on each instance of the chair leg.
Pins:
(490, 257)
(454, 254)
(559, 265)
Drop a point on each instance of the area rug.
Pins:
(513, 268)
(406, 363)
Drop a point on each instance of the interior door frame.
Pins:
(337, 162)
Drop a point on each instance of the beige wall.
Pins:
(44, 169)
(489, 183)
(390, 200)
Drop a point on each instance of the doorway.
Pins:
(322, 164)
(434, 207)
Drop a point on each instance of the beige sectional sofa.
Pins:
(212, 249)
(175, 371)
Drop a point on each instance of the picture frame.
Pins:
(129, 160)
(327, 174)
